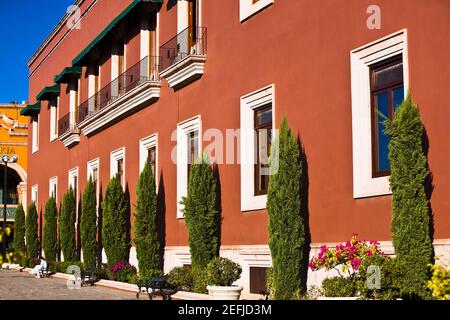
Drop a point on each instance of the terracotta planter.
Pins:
(224, 293)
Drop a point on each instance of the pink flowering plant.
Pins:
(347, 256)
(122, 271)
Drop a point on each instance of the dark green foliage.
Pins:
(340, 287)
(200, 281)
(222, 272)
(201, 214)
(67, 226)
(32, 232)
(115, 228)
(410, 208)
(286, 225)
(19, 232)
(88, 226)
(145, 227)
(62, 266)
(50, 229)
(181, 278)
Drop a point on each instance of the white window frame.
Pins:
(183, 14)
(364, 185)
(247, 8)
(116, 155)
(54, 119)
(250, 102)
(72, 174)
(183, 129)
(74, 95)
(35, 194)
(146, 144)
(53, 181)
(35, 137)
(91, 165)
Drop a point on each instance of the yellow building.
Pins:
(13, 140)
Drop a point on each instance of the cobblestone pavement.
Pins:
(16, 285)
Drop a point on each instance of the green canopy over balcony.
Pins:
(80, 59)
(49, 92)
(31, 109)
(67, 74)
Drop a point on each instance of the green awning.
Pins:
(67, 74)
(78, 61)
(48, 92)
(31, 109)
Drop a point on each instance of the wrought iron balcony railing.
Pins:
(66, 123)
(145, 70)
(191, 41)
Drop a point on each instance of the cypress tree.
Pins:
(31, 227)
(115, 228)
(145, 228)
(88, 226)
(410, 211)
(201, 214)
(50, 226)
(19, 233)
(67, 226)
(286, 225)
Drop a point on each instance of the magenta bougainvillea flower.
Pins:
(349, 255)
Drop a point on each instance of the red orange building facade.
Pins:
(118, 81)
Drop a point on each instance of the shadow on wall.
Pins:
(219, 217)
(428, 185)
(161, 219)
(128, 220)
(304, 209)
(171, 4)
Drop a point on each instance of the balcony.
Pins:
(68, 133)
(134, 89)
(183, 57)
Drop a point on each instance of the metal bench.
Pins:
(88, 277)
(157, 286)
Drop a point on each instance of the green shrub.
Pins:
(222, 272)
(19, 232)
(50, 228)
(88, 226)
(62, 266)
(115, 229)
(340, 287)
(32, 232)
(145, 227)
(123, 272)
(67, 226)
(269, 283)
(201, 214)
(439, 284)
(410, 207)
(181, 278)
(286, 225)
(200, 281)
(101, 273)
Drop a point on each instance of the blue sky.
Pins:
(24, 25)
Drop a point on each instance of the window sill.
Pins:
(70, 138)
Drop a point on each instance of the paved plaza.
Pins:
(16, 285)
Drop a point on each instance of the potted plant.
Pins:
(221, 273)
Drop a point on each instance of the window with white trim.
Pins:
(35, 137)
(188, 150)
(73, 183)
(257, 131)
(34, 194)
(247, 8)
(118, 165)
(148, 151)
(53, 187)
(53, 103)
(379, 75)
(93, 170)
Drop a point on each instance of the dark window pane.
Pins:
(263, 128)
(152, 159)
(399, 96)
(388, 75)
(258, 280)
(382, 108)
(263, 116)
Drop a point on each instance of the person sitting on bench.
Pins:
(37, 270)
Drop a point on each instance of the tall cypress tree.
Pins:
(50, 226)
(410, 211)
(286, 225)
(88, 226)
(145, 228)
(67, 226)
(115, 228)
(201, 214)
(31, 227)
(19, 232)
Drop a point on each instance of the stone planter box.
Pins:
(224, 293)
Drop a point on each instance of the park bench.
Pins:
(88, 277)
(157, 286)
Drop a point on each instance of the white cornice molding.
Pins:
(185, 71)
